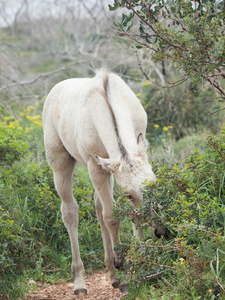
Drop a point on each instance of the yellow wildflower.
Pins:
(170, 127)
(146, 83)
(165, 128)
(181, 259)
(8, 118)
(29, 108)
(38, 123)
(156, 126)
(163, 140)
(138, 95)
(15, 124)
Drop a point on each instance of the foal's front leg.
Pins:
(103, 183)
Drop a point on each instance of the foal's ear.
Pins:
(107, 164)
(142, 146)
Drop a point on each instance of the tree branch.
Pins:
(215, 85)
(45, 75)
(153, 29)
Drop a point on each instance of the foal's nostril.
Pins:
(130, 197)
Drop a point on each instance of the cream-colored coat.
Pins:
(99, 122)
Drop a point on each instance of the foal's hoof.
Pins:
(116, 284)
(120, 285)
(123, 286)
(80, 292)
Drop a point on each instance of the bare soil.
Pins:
(98, 285)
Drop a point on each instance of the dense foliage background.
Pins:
(186, 146)
(189, 200)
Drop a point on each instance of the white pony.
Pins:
(98, 122)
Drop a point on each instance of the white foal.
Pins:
(98, 122)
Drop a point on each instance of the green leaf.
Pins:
(111, 8)
(124, 19)
(129, 25)
(141, 29)
(148, 40)
(173, 9)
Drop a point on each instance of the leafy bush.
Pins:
(176, 151)
(27, 122)
(189, 199)
(190, 36)
(12, 146)
(173, 114)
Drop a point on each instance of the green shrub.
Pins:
(174, 151)
(189, 199)
(178, 112)
(27, 125)
(12, 146)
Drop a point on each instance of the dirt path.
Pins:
(98, 285)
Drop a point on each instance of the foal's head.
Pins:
(131, 171)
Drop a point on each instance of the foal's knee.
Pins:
(110, 221)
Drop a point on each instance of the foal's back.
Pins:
(77, 114)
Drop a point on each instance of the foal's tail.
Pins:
(105, 92)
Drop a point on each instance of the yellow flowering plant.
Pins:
(161, 135)
(29, 120)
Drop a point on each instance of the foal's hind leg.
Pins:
(63, 165)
